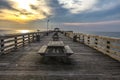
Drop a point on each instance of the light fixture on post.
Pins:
(47, 26)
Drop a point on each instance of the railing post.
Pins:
(33, 37)
(37, 36)
(96, 42)
(23, 39)
(88, 40)
(79, 37)
(82, 38)
(108, 46)
(28, 38)
(2, 46)
(15, 42)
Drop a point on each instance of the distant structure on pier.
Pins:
(56, 29)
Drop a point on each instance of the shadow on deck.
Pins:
(85, 64)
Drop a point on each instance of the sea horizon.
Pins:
(100, 33)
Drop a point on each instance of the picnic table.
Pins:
(55, 36)
(55, 48)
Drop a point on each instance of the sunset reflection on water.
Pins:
(24, 31)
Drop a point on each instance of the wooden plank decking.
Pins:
(85, 64)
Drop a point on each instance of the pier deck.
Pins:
(85, 64)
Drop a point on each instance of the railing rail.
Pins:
(106, 45)
(13, 42)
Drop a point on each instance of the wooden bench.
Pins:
(68, 50)
(42, 50)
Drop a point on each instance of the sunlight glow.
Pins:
(23, 17)
(24, 31)
(24, 4)
(23, 11)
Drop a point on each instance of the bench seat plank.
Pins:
(68, 50)
(55, 54)
(42, 50)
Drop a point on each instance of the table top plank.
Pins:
(55, 43)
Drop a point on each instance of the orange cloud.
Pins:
(25, 10)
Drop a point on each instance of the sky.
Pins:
(77, 15)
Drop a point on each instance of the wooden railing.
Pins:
(106, 45)
(13, 42)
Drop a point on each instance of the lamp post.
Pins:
(47, 25)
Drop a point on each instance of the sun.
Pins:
(23, 17)
(24, 31)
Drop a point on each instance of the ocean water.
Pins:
(109, 34)
(4, 32)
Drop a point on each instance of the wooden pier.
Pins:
(20, 61)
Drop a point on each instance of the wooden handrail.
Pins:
(13, 41)
(106, 45)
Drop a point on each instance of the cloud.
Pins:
(106, 10)
(24, 10)
(77, 6)
(94, 23)
(4, 4)
(105, 5)
(109, 26)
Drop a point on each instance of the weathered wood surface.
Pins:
(56, 43)
(10, 42)
(56, 49)
(68, 50)
(85, 64)
(107, 45)
(42, 50)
